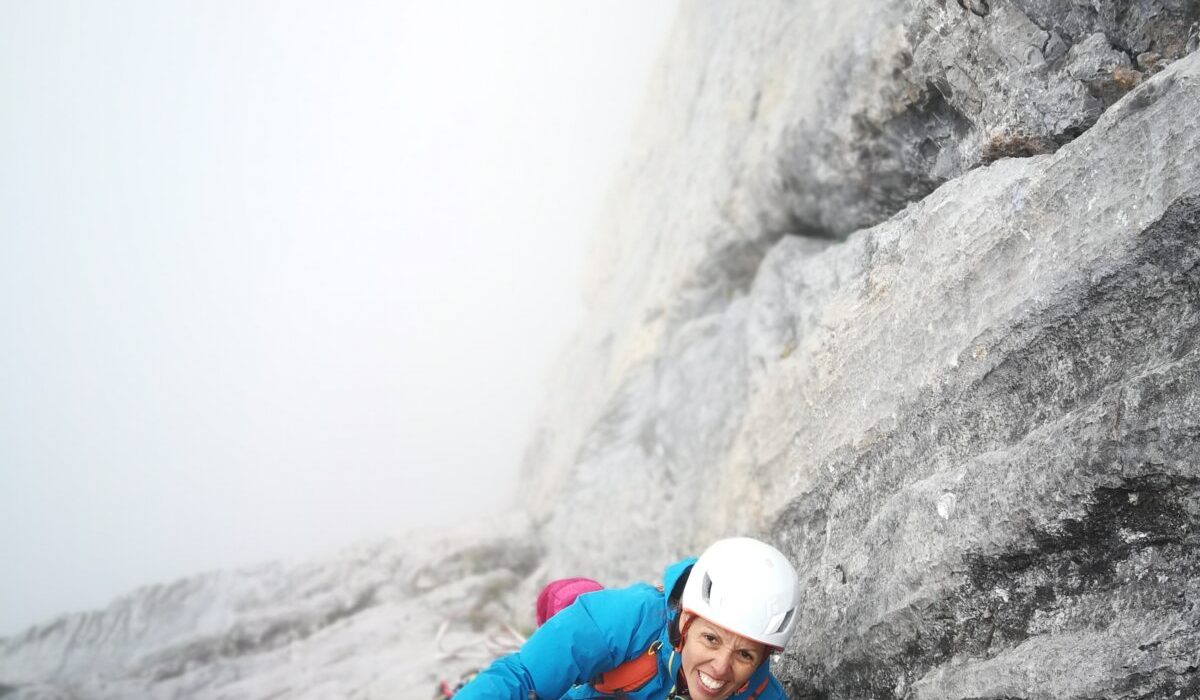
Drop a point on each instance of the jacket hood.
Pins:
(673, 578)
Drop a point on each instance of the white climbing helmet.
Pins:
(746, 586)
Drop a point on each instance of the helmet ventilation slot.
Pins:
(783, 623)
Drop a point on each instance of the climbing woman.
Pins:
(706, 635)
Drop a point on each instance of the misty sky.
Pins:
(277, 276)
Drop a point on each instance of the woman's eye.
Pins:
(747, 656)
(710, 638)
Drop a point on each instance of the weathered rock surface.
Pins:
(363, 624)
(910, 288)
(974, 425)
(1006, 505)
(772, 119)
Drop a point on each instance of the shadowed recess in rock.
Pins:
(953, 102)
(880, 167)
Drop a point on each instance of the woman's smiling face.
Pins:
(716, 662)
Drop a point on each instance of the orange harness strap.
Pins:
(632, 674)
(761, 687)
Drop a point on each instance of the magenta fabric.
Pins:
(560, 593)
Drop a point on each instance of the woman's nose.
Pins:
(723, 662)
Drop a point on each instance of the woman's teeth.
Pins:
(709, 682)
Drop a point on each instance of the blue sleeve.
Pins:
(596, 633)
(504, 678)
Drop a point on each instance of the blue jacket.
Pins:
(597, 633)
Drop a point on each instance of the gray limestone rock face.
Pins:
(772, 121)
(973, 422)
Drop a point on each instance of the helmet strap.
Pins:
(683, 628)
